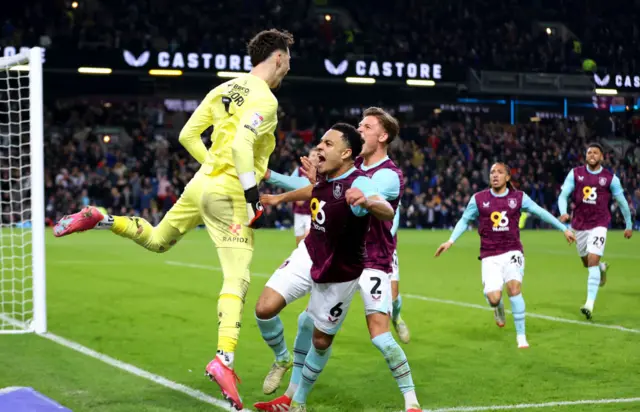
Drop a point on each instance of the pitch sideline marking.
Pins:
(221, 404)
(445, 301)
(528, 314)
(436, 300)
(201, 396)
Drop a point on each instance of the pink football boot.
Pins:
(85, 219)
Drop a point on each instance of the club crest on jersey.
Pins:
(602, 181)
(256, 120)
(513, 203)
(337, 190)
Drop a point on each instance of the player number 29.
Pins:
(598, 241)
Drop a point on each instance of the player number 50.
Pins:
(516, 260)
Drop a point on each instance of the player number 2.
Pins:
(336, 311)
(375, 290)
(598, 241)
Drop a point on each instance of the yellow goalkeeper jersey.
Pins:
(243, 113)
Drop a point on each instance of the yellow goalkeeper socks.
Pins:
(131, 227)
(158, 239)
(229, 317)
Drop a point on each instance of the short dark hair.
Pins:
(266, 42)
(351, 136)
(389, 123)
(596, 145)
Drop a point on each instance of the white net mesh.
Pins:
(16, 279)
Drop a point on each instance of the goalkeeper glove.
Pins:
(255, 210)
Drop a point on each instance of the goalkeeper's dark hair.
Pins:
(597, 146)
(351, 136)
(266, 42)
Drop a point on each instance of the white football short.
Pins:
(375, 289)
(395, 267)
(301, 224)
(591, 241)
(329, 302)
(500, 269)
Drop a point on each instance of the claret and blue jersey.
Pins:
(498, 216)
(592, 191)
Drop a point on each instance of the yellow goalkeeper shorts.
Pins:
(219, 203)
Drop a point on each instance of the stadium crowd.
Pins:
(488, 34)
(139, 167)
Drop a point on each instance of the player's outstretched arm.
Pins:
(242, 152)
(191, 134)
(292, 182)
(294, 196)
(470, 214)
(618, 194)
(532, 207)
(563, 199)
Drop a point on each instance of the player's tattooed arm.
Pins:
(294, 196)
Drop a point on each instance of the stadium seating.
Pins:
(443, 162)
(552, 36)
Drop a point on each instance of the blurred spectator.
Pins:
(143, 170)
(488, 34)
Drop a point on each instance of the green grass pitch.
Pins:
(155, 312)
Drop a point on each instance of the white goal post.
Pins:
(22, 205)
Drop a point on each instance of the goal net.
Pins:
(22, 280)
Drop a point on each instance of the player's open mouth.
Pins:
(321, 159)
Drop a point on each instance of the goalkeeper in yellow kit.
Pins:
(224, 193)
